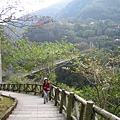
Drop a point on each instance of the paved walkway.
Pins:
(31, 107)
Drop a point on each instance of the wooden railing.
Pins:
(22, 88)
(75, 107)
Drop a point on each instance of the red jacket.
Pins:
(46, 86)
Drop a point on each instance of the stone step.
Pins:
(36, 115)
(35, 112)
(31, 107)
(36, 119)
(36, 109)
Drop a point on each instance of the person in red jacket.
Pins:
(46, 89)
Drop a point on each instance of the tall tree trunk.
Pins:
(0, 63)
(0, 69)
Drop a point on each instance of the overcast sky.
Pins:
(28, 5)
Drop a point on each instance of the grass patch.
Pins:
(5, 103)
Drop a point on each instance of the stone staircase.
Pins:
(31, 107)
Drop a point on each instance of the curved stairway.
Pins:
(31, 107)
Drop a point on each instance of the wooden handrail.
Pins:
(22, 88)
(105, 114)
(75, 107)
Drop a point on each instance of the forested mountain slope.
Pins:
(95, 9)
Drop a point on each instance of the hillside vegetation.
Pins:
(5, 104)
(94, 9)
(83, 22)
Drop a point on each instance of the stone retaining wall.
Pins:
(6, 114)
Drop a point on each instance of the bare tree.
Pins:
(10, 22)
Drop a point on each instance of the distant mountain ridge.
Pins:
(52, 10)
(84, 9)
(72, 8)
(95, 9)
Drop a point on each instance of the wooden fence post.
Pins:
(3, 86)
(40, 89)
(13, 88)
(35, 89)
(19, 88)
(26, 88)
(7, 87)
(56, 95)
(62, 100)
(82, 112)
(50, 94)
(23, 88)
(70, 105)
(89, 109)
